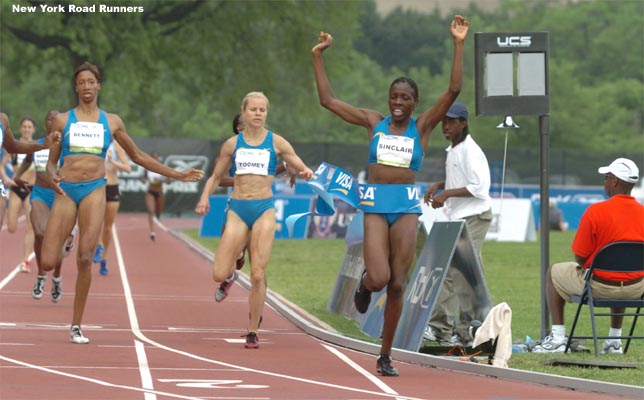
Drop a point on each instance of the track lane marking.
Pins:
(96, 381)
(144, 369)
(376, 381)
(15, 271)
(139, 334)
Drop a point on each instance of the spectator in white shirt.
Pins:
(466, 196)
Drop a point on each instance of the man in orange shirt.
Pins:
(620, 217)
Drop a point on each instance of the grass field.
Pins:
(304, 271)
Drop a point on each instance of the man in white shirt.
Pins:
(466, 196)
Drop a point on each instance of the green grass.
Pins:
(305, 271)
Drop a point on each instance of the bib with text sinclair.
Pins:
(394, 150)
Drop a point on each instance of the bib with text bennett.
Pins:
(86, 137)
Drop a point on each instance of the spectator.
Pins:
(557, 222)
(616, 219)
(466, 195)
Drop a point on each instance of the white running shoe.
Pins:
(39, 287)
(550, 345)
(56, 289)
(77, 335)
(612, 347)
(429, 334)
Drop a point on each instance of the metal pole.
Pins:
(544, 223)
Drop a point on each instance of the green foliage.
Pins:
(180, 69)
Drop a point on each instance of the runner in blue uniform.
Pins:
(9, 144)
(87, 132)
(19, 194)
(397, 144)
(254, 153)
(42, 198)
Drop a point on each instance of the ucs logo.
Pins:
(514, 41)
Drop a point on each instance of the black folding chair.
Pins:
(623, 256)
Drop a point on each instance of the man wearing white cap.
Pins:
(619, 218)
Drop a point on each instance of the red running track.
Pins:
(157, 333)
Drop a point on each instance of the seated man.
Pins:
(616, 219)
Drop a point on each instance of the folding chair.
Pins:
(624, 256)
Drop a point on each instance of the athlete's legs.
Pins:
(91, 212)
(60, 223)
(150, 205)
(159, 204)
(376, 252)
(28, 242)
(261, 245)
(111, 209)
(232, 242)
(3, 207)
(39, 215)
(13, 211)
(402, 238)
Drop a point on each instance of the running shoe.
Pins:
(429, 334)
(98, 253)
(153, 236)
(39, 287)
(362, 297)
(56, 289)
(224, 288)
(77, 335)
(24, 266)
(252, 341)
(103, 270)
(383, 366)
(612, 347)
(551, 345)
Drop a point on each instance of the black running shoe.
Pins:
(362, 297)
(383, 366)
(252, 341)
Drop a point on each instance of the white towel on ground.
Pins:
(497, 325)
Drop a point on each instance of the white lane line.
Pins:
(376, 381)
(16, 344)
(97, 381)
(15, 271)
(144, 369)
(139, 334)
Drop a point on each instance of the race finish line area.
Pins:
(156, 333)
